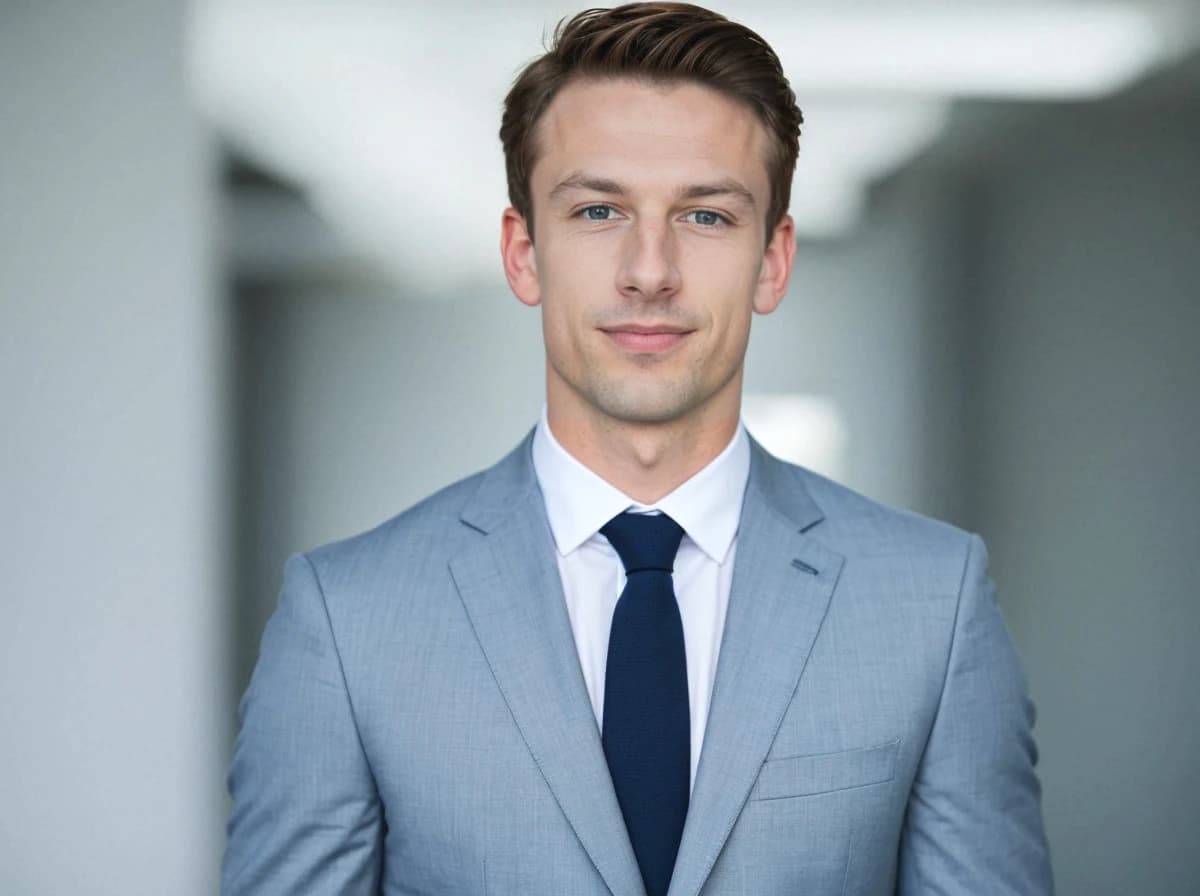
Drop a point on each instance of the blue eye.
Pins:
(597, 212)
(706, 218)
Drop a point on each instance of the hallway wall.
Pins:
(1085, 434)
(112, 369)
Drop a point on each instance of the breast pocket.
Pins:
(826, 772)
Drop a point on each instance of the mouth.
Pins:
(647, 338)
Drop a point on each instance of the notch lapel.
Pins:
(510, 587)
(782, 583)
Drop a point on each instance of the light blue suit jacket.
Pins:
(418, 722)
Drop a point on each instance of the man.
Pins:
(640, 655)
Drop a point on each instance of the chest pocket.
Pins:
(825, 772)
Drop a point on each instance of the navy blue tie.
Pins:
(647, 725)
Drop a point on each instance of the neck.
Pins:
(644, 460)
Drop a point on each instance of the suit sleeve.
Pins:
(974, 820)
(306, 814)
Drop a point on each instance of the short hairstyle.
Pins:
(661, 43)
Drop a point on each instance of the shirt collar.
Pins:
(578, 502)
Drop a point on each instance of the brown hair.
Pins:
(661, 42)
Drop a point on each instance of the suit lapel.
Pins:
(782, 583)
(512, 592)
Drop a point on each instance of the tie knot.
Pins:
(644, 541)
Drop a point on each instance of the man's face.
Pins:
(649, 207)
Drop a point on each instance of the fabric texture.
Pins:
(418, 722)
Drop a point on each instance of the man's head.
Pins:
(655, 42)
(654, 145)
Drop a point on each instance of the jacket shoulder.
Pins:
(856, 523)
(891, 553)
(421, 537)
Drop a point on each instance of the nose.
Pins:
(649, 268)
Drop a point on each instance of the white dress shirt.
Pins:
(708, 507)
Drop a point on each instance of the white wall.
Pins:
(112, 732)
(1084, 474)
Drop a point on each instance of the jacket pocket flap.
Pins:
(825, 772)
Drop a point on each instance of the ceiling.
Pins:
(385, 113)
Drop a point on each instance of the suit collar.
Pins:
(502, 489)
(503, 486)
(781, 487)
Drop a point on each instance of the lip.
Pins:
(647, 338)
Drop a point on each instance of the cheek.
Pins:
(569, 257)
(724, 271)
(554, 329)
(729, 295)
(564, 323)
(734, 331)
(576, 281)
(565, 279)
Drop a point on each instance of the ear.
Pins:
(776, 268)
(520, 263)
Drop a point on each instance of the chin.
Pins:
(665, 403)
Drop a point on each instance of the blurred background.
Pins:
(251, 301)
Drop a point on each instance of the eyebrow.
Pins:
(581, 180)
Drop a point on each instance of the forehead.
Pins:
(648, 132)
